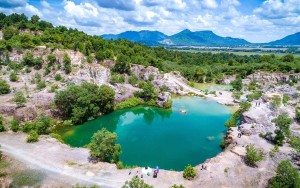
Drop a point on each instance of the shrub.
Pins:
(13, 77)
(237, 95)
(32, 137)
(276, 102)
(133, 80)
(177, 186)
(67, 64)
(41, 85)
(189, 172)
(19, 99)
(295, 143)
(168, 104)
(148, 92)
(252, 155)
(103, 146)
(2, 127)
(136, 182)
(274, 151)
(117, 78)
(14, 125)
(57, 77)
(279, 138)
(130, 102)
(151, 77)
(283, 122)
(4, 87)
(192, 84)
(285, 99)
(254, 96)
(286, 176)
(57, 137)
(53, 88)
(237, 84)
(297, 117)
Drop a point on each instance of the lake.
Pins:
(152, 136)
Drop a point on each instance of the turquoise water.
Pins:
(167, 138)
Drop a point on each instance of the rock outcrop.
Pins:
(163, 98)
(273, 77)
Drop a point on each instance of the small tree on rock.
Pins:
(19, 99)
(136, 182)
(252, 155)
(189, 172)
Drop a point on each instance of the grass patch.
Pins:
(27, 178)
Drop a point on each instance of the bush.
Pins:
(2, 127)
(279, 138)
(32, 137)
(286, 176)
(53, 88)
(103, 146)
(189, 172)
(276, 102)
(128, 103)
(4, 87)
(41, 85)
(133, 80)
(168, 104)
(57, 77)
(67, 64)
(297, 117)
(285, 99)
(13, 77)
(136, 182)
(237, 84)
(233, 120)
(252, 155)
(14, 125)
(57, 137)
(295, 143)
(117, 78)
(254, 96)
(19, 99)
(177, 186)
(237, 95)
(148, 92)
(283, 122)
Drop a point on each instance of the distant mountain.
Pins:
(293, 39)
(183, 38)
(144, 36)
(204, 38)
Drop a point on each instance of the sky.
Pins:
(253, 20)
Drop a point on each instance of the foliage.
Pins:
(51, 59)
(297, 117)
(285, 99)
(67, 64)
(237, 84)
(279, 138)
(189, 172)
(295, 143)
(57, 137)
(252, 155)
(286, 176)
(136, 182)
(130, 102)
(79, 103)
(19, 99)
(2, 127)
(13, 77)
(148, 92)
(15, 125)
(168, 104)
(177, 186)
(117, 78)
(254, 96)
(233, 120)
(133, 80)
(41, 85)
(33, 136)
(27, 178)
(4, 87)
(274, 151)
(103, 146)
(57, 77)
(276, 102)
(283, 122)
(42, 125)
(122, 65)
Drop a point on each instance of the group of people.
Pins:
(257, 103)
(240, 132)
(203, 167)
(148, 173)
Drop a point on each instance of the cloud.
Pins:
(211, 4)
(150, 3)
(45, 4)
(276, 9)
(84, 14)
(126, 5)
(12, 3)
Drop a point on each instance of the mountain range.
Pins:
(198, 38)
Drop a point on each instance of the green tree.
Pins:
(148, 92)
(279, 138)
(189, 172)
(9, 32)
(51, 59)
(4, 87)
(67, 63)
(28, 59)
(2, 126)
(103, 146)
(57, 77)
(19, 99)
(107, 98)
(286, 176)
(288, 58)
(136, 182)
(122, 65)
(283, 122)
(252, 155)
(237, 84)
(14, 124)
(35, 19)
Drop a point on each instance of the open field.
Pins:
(236, 53)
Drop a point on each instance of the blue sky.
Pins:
(253, 20)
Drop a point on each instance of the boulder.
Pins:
(163, 98)
(26, 113)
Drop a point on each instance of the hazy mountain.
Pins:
(293, 39)
(138, 36)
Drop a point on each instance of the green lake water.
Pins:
(167, 138)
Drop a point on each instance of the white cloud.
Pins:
(211, 4)
(45, 4)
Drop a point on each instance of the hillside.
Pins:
(183, 38)
(138, 36)
(293, 39)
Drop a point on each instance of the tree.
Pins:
(28, 59)
(136, 182)
(4, 87)
(237, 84)
(283, 122)
(103, 146)
(252, 155)
(14, 125)
(107, 98)
(122, 65)
(35, 19)
(288, 58)
(148, 92)
(51, 59)
(9, 32)
(286, 176)
(19, 99)
(189, 172)
(67, 63)
(279, 138)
